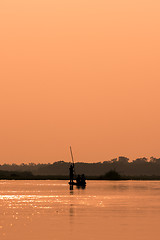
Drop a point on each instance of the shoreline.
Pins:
(142, 178)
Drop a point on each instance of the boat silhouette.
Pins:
(77, 180)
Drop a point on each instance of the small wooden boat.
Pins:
(80, 180)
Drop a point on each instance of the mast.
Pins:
(72, 156)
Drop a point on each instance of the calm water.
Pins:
(104, 210)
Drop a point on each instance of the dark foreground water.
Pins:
(104, 210)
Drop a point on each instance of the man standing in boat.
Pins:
(71, 173)
(71, 169)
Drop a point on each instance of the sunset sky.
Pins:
(82, 73)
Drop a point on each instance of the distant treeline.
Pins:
(111, 175)
(15, 175)
(122, 165)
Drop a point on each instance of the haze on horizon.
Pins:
(80, 73)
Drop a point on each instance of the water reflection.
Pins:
(31, 210)
(71, 210)
(81, 187)
(71, 192)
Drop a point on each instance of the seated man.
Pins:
(78, 180)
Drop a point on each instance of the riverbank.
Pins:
(111, 175)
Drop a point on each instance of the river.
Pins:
(37, 210)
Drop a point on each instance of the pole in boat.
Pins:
(71, 169)
(72, 155)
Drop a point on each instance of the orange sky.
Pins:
(82, 73)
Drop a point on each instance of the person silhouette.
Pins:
(78, 180)
(83, 180)
(71, 173)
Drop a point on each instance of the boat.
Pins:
(77, 180)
